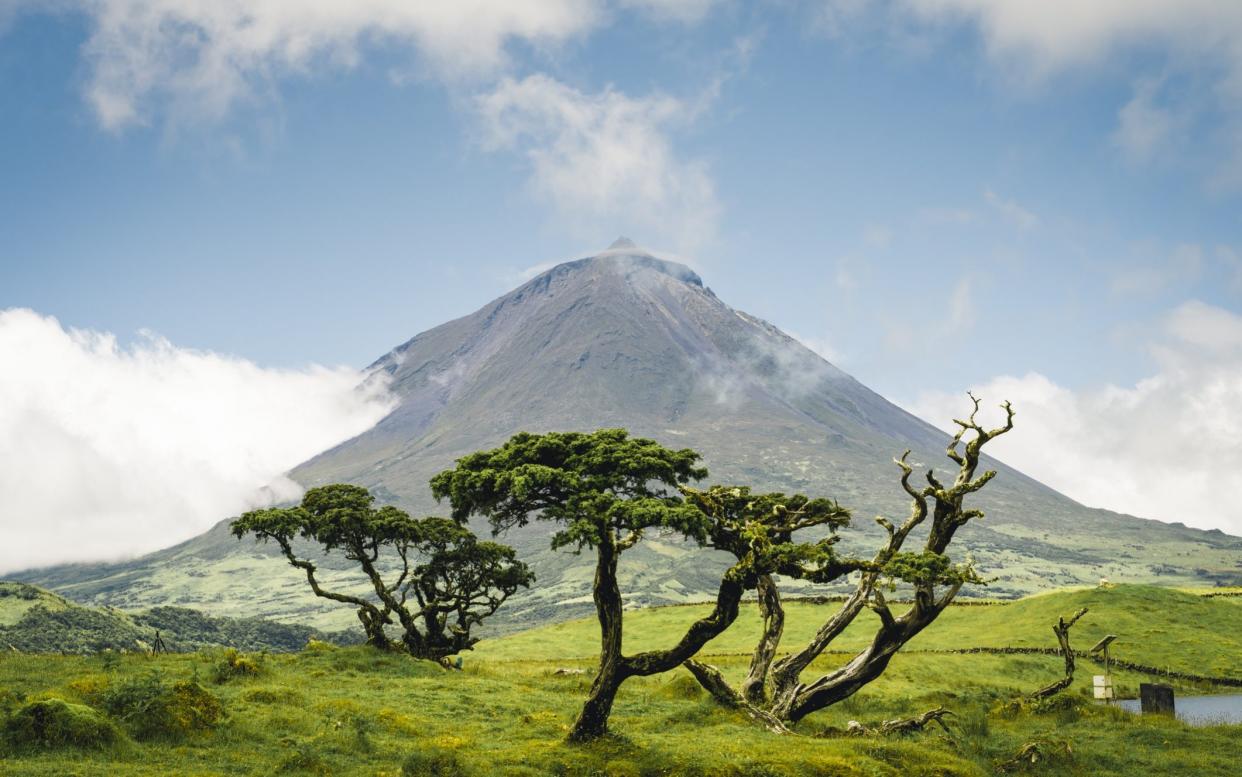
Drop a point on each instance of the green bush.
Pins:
(435, 762)
(9, 701)
(152, 709)
(55, 723)
(233, 664)
(303, 758)
(273, 696)
(682, 686)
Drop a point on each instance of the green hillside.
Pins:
(355, 711)
(36, 621)
(1184, 631)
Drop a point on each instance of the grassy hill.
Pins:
(36, 621)
(350, 711)
(1181, 630)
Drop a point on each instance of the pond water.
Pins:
(1200, 710)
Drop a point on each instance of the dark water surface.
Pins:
(1200, 710)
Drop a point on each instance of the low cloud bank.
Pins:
(1167, 447)
(108, 451)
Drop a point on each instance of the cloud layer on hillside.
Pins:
(1167, 447)
(110, 451)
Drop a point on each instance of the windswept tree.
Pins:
(774, 690)
(606, 490)
(431, 576)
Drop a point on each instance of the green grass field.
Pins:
(349, 711)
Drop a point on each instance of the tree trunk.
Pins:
(892, 635)
(839, 685)
(1061, 629)
(373, 626)
(786, 672)
(711, 679)
(592, 722)
(754, 687)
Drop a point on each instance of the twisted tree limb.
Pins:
(903, 725)
(1061, 629)
(712, 680)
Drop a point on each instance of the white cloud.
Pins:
(1229, 259)
(1167, 447)
(685, 11)
(1052, 34)
(1144, 127)
(1011, 211)
(822, 346)
(1037, 38)
(200, 58)
(110, 451)
(605, 161)
(961, 309)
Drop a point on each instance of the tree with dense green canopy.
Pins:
(606, 490)
(446, 580)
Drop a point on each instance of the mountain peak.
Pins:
(622, 258)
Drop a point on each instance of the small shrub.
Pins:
(110, 659)
(152, 709)
(303, 758)
(682, 686)
(974, 725)
(1058, 703)
(760, 769)
(91, 688)
(233, 664)
(435, 762)
(360, 727)
(622, 768)
(55, 723)
(9, 701)
(273, 696)
(521, 771)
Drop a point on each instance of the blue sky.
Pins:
(934, 194)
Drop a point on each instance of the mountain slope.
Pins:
(626, 339)
(36, 621)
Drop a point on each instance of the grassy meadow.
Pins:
(351, 710)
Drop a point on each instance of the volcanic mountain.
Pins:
(625, 339)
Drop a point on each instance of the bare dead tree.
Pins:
(1061, 629)
(774, 690)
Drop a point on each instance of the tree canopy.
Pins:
(602, 487)
(441, 580)
(605, 490)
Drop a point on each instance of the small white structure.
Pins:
(1103, 687)
(1104, 682)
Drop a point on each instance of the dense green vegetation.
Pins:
(442, 581)
(356, 710)
(36, 621)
